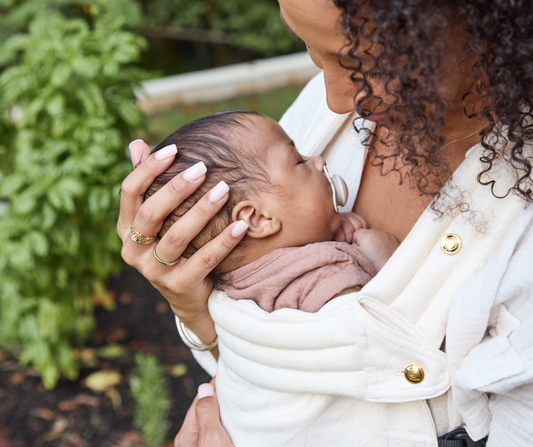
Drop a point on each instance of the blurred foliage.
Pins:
(149, 390)
(67, 110)
(253, 25)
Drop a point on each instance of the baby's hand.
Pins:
(350, 223)
(376, 245)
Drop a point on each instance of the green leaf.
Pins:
(20, 256)
(37, 242)
(24, 203)
(49, 216)
(11, 184)
(99, 200)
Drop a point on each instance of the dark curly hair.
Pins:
(404, 34)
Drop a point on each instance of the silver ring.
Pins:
(139, 238)
(160, 260)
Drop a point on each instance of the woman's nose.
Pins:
(319, 163)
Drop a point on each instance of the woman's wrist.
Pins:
(202, 326)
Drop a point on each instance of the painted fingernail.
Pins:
(166, 152)
(218, 192)
(205, 390)
(135, 141)
(194, 172)
(239, 229)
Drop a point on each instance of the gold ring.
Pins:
(139, 238)
(160, 260)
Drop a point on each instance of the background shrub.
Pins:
(67, 111)
(152, 402)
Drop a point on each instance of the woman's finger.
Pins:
(135, 185)
(199, 265)
(139, 151)
(176, 239)
(156, 208)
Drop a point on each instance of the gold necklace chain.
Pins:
(461, 139)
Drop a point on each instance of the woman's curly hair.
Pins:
(404, 34)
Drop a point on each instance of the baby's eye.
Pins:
(302, 161)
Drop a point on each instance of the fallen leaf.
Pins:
(125, 298)
(178, 370)
(17, 377)
(111, 351)
(87, 354)
(130, 439)
(101, 380)
(43, 413)
(116, 399)
(80, 399)
(117, 335)
(162, 307)
(59, 427)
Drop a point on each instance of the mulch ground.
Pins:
(72, 415)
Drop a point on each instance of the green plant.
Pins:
(67, 109)
(149, 390)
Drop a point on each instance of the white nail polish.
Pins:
(134, 141)
(239, 229)
(195, 172)
(218, 192)
(166, 152)
(205, 390)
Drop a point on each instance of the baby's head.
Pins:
(284, 198)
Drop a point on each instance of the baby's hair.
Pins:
(215, 140)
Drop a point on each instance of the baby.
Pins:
(298, 252)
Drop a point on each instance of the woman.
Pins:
(437, 78)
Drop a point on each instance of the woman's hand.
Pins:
(184, 284)
(202, 426)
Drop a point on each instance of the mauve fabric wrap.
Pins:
(302, 278)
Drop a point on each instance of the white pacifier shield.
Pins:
(339, 189)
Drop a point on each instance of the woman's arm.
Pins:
(185, 285)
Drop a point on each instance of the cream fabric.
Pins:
(335, 377)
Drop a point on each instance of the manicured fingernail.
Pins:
(194, 172)
(134, 141)
(218, 192)
(166, 152)
(239, 229)
(205, 390)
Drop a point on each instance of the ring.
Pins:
(139, 238)
(160, 260)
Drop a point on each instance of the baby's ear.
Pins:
(260, 223)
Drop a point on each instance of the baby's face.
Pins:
(302, 198)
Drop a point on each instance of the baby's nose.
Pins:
(319, 163)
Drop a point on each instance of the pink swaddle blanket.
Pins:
(303, 278)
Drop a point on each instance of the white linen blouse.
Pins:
(480, 299)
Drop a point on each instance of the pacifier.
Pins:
(339, 189)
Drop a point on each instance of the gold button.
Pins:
(414, 373)
(450, 244)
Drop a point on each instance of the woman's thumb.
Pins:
(210, 429)
(207, 407)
